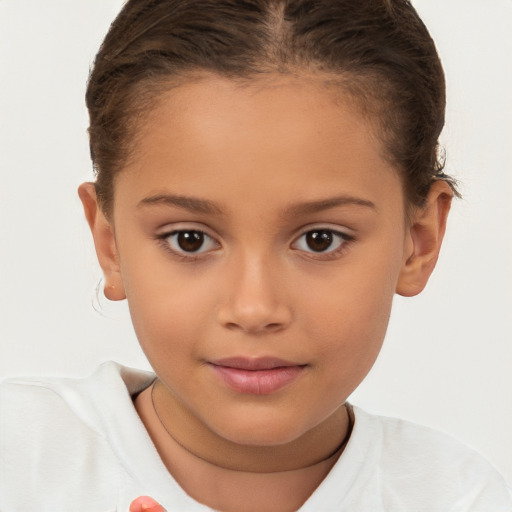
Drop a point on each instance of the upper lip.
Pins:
(257, 363)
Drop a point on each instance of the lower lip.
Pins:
(257, 382)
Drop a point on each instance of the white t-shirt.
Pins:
(78, 445)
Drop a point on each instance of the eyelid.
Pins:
(201, 250)
(167, 229)
(344, 233)
(165, 232)
(318, 226)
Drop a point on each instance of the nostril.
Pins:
(264, 328)
(252, 313)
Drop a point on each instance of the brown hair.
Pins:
(380, 51)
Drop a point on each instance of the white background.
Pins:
(448, 355)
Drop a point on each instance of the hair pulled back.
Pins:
(380, 51)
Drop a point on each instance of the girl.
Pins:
(267, 179)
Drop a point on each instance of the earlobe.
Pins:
(104, 241)
(423, 240)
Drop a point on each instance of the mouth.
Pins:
(260, 376)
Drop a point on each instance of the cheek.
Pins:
(351, 331)
(349, 318)
(169, 310)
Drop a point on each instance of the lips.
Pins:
(261, 376)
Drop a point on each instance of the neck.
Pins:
(321, 443)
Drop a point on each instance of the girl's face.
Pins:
(260, 236)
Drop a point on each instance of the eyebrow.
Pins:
(204, 206)
(310, 207)
(192, 204)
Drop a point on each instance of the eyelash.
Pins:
(344, 244)
(184, 255)
(191, 256)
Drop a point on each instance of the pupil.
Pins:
(319, 241)
(190, 241)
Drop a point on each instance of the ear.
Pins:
(104, 240)
(423, 240)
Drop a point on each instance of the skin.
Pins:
(274, 160)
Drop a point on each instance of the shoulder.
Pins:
(50, 403)
(409, 443)
(55, 430)
(426, 466)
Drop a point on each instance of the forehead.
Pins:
(269, 139)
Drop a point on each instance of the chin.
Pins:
(260, 432)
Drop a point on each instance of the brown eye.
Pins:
(191, 241)
(319, 241)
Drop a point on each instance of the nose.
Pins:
(254, 299)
